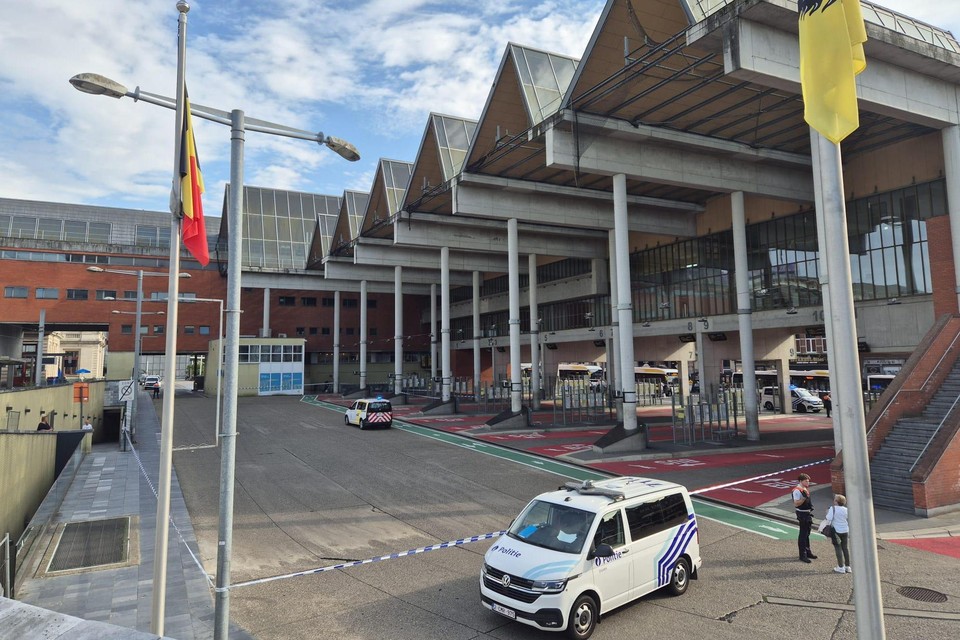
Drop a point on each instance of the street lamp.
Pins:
(140, 273)
(99, 85)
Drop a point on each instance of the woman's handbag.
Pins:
(826, 526)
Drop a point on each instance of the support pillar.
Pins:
(398, 329)
(744, 315)
(513, 261)
(534, 333)
(363, 334)
(446, 373)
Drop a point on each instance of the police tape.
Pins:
(355, 563)
(755, 478)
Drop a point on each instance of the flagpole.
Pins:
(170, 354)
(847, 399)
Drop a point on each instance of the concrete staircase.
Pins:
(891, 465)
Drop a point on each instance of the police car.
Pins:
(370, 412)
(579, 552)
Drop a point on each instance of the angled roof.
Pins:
(352, 207)
(443, 148)
(279, 226)
(386, 197)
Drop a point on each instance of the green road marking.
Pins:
(745, 521)
(760, 525)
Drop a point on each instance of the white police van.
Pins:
(370, 412)
(588, 548)
(801, 400)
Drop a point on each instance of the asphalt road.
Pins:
(312, 492)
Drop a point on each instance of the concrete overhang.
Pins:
(317, 282)
(882, 44)
(546, 204)
(344, 269)
(377, 253)
(716, 170)
(481, 235)
(905, 78)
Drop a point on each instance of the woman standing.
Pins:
(837, 516)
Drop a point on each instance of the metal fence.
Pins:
(6, 569)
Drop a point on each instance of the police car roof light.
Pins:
(587, 488)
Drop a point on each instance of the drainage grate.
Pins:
(921, 594)
(91, 544)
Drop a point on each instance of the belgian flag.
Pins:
(832, 34)
(191, 186)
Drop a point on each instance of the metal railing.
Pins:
(7, 573)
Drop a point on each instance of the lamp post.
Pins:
(239, 125)
(140, 273)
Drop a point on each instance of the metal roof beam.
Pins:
(315, 282)
(345, 269)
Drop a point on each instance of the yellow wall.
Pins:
(26, 474)
(30, 402)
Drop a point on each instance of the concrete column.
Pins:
(477, 385)
(744, 318)
(951, 169)
(624, 305)
(446, 373)
(265, 329)
(397, 329)
(363, 334)
(433, 336)
(336, 342)
(613, 377)
(39, 373)
(534, 333)
(513, 262)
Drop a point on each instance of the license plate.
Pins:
(510, 613)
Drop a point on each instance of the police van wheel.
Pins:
(801, 409)
(363, 424)
(679, 578)
(583, 618)
(768, 406)
(346, 420)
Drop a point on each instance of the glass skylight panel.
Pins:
(453, 141)
(544, 78)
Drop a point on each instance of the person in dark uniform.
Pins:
(804, 508)
(827, 402)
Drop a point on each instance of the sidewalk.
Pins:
(110, 484)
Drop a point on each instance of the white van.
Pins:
(588, 548)
(802, 400)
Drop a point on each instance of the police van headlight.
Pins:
(549, 586)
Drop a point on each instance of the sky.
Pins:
(368, 71)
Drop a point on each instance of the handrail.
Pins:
(934, 434)
(922, 385)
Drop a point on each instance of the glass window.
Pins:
(204, 329)
(23, 227)
(49, 229)
(99, 232)
(74, 230)
(15, 292)
(126, 329)
(313, 331)
(189, 329)
(44, 293)
(308, 301)
(77, 294)
(327, 302)
(158, 329)
(103, 294)
(288, 301)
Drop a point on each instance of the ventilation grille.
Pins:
(91, 544)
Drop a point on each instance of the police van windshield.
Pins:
(379, 407)
(552, 526)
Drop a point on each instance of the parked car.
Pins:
(370, 412)
(151, 383)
